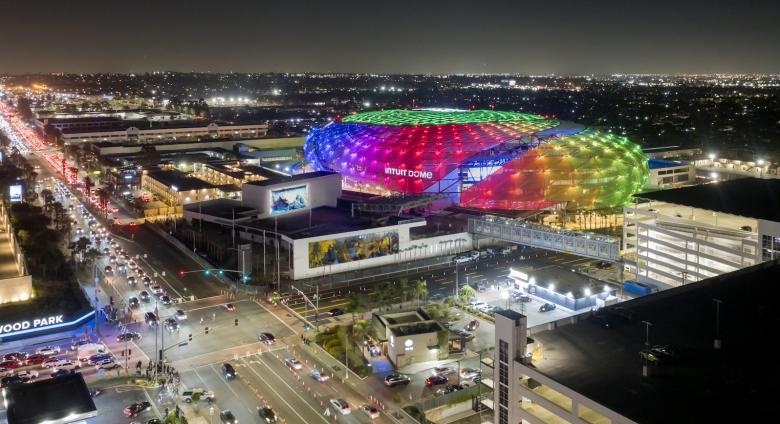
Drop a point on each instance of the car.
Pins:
(477, 304)
(462, 259)
(156, 289)
(151, 319)
(203, 395)
(146, 280)
(108, 270)
(227, 417)
(229, 307)
(336, 312)
(481, 288)
(144, 296)
(267, 414)
(370, 410)
(519, 297)
(449, 389)
(658, 354)
(293, 363)
(75, 345)
(120, 268)
(133, 302)
(341, 406)
(34, 359)
(435, 380)
(396, 379)
(228, 371)
(136, 408)
(131, 264)
(27, 376)
(469, 373)
(53, 362)
(106, 251)
(467, 336)
(171, 324)
(12, 364)
(443, 371)
(10, 380)
(107, 364)
(112, 259)
(155, 421)
(131, 280)
(15, 356)
(506, 251)
(128, 337)
(180, 315)
(472, 325)
(97, 357)
(266, 338)
(48, 350)
(319, 376)
(547, 307)
(67, 365)
(166, 300)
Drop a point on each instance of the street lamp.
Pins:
(505, 296)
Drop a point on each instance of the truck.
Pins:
(638, 288)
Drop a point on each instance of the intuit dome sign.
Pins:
(24, 328)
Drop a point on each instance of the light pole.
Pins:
(718, 302)
(505, 296)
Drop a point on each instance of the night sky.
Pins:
(422, 36)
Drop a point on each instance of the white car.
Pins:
(48, 350)
(370, 410)
(180, 315)
(319, 376)
(293, 363)
(107, 364)
(341, 406)
(205, 395)
(28, 375)
(67, 365)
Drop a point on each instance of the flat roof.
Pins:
(291, 178)
(664, 163)
(325, 220)
(565, 280)
(704, 385)
(750, 197)
(182, 181)
(49, 399)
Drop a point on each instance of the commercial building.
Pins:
(669, 173)
(302, 213)
(159, 132)
(178, 188)
(672, 237)
(564, 288)
(232, 172)
(61, 400)
(411, 336)
(481, 159)
(588, 368)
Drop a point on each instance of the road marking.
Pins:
(214, 306)
(280, 320)
(151, 402)
(170, 286)
(282, 397)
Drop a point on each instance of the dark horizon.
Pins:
(401, 37)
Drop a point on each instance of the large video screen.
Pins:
(353, 248)
(288, 199)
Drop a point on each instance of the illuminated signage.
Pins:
(409, 173)
(288, 199)
(15, 193)
(36, 323)
(39, 324)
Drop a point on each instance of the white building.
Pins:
(672, 237)
(668, 173)
(150, 133)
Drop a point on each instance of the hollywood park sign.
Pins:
(35, 323)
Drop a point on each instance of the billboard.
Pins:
(352, 248)
(15, 193)
(288, 199)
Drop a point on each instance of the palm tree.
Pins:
(82, 244)
(403, 289)
(48, 199)
(421, 290)
(103, 198)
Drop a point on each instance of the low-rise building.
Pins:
(669, 173)
(411, 336)
(178, 188)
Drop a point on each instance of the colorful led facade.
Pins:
(485, 159)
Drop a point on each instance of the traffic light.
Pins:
(236, 322)
(207, 330)
(181, 274)
(207, 272)
(190, 337)
(221, 272)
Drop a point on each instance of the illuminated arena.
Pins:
(483, 159)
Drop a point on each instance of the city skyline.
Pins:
(399, 37)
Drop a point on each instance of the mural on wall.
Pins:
(288, 199)
(352, 248)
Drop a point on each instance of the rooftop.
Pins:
(292, 178)
(49, 400)
(182, 181)
(663, 163)
(604, 364)
(750, 197)
(322, 221)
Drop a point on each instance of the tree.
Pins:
(103, 199)
(48, 199)
(467, 293)
(354, 304)
(403, 289)
(82, 244)
(421, 290)
(23, 107)
(149, 156)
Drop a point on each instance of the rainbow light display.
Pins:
(486, 159)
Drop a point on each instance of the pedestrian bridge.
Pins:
(589, 245)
